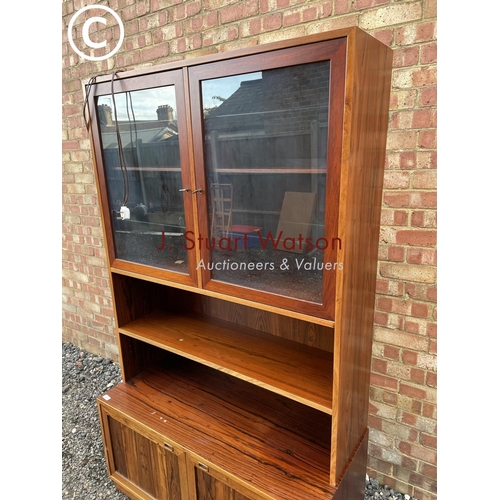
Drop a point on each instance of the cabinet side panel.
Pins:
(365, 128)
(134, 298)
(352, 484)
(138, 356)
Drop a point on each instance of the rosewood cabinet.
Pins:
(241, 198)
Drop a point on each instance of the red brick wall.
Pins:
(402, 449)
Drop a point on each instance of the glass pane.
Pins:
(145, 176)
(265, 150)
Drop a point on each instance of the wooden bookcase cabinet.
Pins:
(241, 392)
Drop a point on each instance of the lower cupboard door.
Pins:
(210, 488)
(140, 466)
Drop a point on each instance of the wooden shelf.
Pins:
(270, 170)
(265, 170)
(278, 446)
(152, 169)
(296, 371)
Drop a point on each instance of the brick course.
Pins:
(402, 448)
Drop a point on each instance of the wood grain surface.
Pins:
(299, 372)
(278, 446)
(363, 153)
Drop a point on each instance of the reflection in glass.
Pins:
(144, 175)
(265, 143)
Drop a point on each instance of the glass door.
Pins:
(143, 138)
(267, 147)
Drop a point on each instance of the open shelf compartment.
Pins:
(294, 370)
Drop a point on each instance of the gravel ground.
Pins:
(84, 377)
(84, 476)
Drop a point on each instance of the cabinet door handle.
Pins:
(184, 190)
(202, 466)
(169, 447)
(196, 191)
